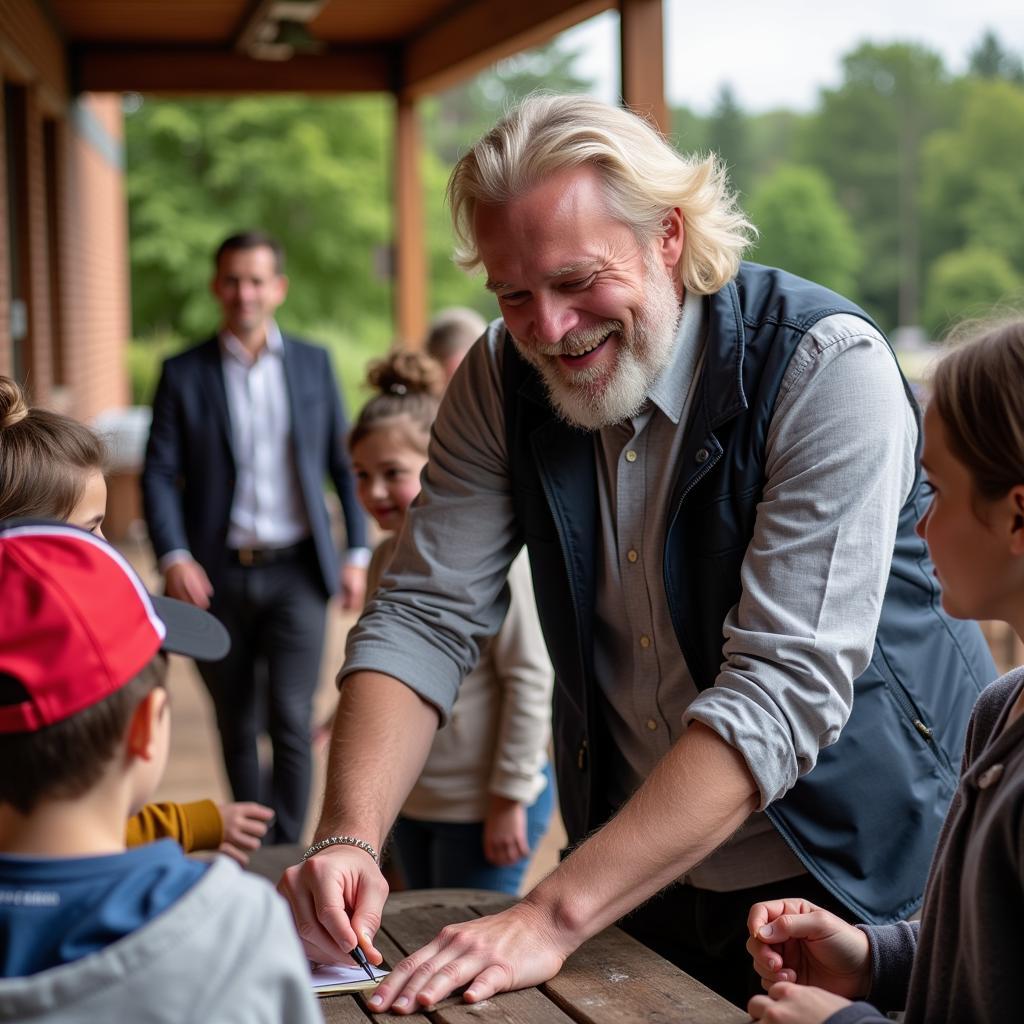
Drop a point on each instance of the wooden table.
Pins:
(612, 979)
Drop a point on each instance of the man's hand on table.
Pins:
(515, 949)
(337, 899)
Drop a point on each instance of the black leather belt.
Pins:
(251, 558)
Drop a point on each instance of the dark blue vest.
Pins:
(865, 821)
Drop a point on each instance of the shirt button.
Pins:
(652, 724)
(990, 776)
(632, 555)
(702, 454)
(645, 640)
(631, 455)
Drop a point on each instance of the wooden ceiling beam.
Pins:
(206, 70)
(247, 32)
(482, 32)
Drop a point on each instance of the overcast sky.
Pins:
(779, 53)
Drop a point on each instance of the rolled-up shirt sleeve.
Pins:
(840, 463)
(445, 588)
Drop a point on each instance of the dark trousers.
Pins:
(275, 614)
(705, 933)
(450, 854)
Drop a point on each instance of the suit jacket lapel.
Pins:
(216, 393)
(291, 374)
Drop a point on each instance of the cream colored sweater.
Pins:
(496, 740)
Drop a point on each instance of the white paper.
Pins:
(339, 974)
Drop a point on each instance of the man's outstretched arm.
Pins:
(382, 734)
(696, 797)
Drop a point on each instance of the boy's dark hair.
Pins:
(65, 760)
(251, 240)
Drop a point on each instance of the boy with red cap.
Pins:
(90, 931)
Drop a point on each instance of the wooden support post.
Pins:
(642, 55)
(410, 266)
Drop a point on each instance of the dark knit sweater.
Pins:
(960, 965)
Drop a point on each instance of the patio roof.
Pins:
(409, 47)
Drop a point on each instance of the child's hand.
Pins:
(796, 941)
(245, 825)
(505, 832)
(795, 1004)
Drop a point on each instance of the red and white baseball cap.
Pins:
(76, 622)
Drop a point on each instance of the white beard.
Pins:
(598, 397)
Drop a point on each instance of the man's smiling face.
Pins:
(588, 305)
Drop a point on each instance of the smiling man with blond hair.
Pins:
(713, 467)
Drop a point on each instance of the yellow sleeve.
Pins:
(196, 826)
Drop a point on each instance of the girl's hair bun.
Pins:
(406, 373)
(13, 407)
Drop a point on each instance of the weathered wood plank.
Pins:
(447, 898)
(342, 1009)
(613, 979)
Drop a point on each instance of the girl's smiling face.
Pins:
(387, 463)
(970, 539)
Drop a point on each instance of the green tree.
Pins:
(803, 228)
(973, 190)
(989, 59)
(689, 131)
(773, 139)
(867, 139)
(727, 136)
(314, 173)
(969, 283)
(459, 116)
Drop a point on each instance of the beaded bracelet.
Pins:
(361, 844)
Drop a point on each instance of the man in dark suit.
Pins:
(246, 426)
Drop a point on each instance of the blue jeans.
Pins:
(450, 855)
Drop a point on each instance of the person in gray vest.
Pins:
(713, 466)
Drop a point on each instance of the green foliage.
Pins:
(803, 229)
(145, 357)
(969, 283)
(867, 139)
(313, 172)
(317, 174)
(901, 174)
(989, 59)
(727, 136)
(772, 139)
(689, 131)
(456, 118)
(973, 192)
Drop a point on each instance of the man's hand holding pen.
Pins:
(337, 899)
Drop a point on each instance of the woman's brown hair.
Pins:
(978, 390)
(408, 384)
(45, 458)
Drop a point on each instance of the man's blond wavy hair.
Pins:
(643, 177)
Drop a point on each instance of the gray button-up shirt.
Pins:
(839, 465)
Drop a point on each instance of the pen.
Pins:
(360, 958)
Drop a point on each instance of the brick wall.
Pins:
(95, 266)
(72, 201)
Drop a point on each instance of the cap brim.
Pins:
(191, 631)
